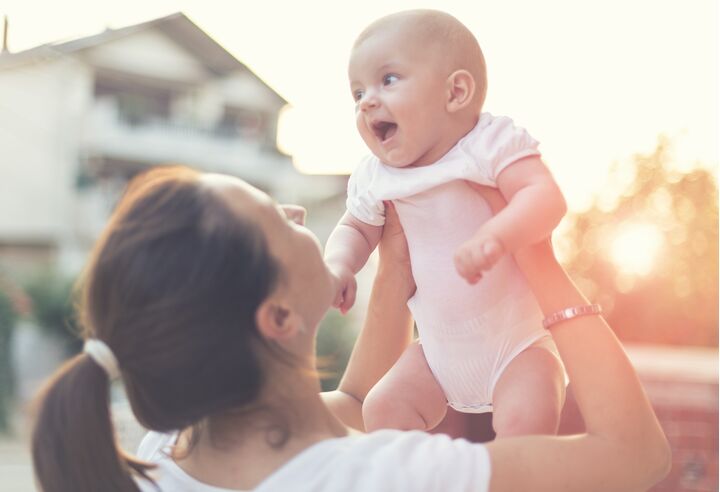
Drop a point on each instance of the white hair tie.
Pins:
(103, 356)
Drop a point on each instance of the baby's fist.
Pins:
(345, 288)
(476, 256)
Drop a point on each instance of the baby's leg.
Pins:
(529, 395)
(408, 397)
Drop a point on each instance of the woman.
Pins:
(204, 296)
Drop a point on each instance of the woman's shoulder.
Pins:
(167, 476)
(417, 460)
(382, 460)
(154, 444)
(395, 460)
(417, 447)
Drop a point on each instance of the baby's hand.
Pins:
(345, 288)
(477, 255)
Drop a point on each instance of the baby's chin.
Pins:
(392, 159)
(398, 165)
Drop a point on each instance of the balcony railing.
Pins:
(156, 140)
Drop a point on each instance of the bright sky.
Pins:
(595, 82)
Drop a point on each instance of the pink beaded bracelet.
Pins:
(570, 313)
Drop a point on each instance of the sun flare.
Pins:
(635, 248)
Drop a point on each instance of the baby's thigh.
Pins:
(530, 392)
(409, 388)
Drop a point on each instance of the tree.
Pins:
(51, 298)
(8, 317)
(647, 250)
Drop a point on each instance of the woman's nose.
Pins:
(295, 213)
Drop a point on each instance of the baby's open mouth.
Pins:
(384, 130)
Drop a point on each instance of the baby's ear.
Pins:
(460, 90)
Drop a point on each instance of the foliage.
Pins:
(8, 318)
(51, 296)
(676, 301)
(334, 344)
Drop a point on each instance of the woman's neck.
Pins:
(238, 450)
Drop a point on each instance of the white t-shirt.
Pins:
(386, 460)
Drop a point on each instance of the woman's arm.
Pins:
(387, 330)
(624, 447)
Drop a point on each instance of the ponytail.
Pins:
(172, 287)
(73, 442)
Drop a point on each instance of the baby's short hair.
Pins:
(452, 40)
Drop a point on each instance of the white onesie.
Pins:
(469, 333)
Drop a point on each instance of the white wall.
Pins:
(49, 124)
(148, 53)
(244, 90)
(41, 105)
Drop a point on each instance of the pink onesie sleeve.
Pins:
(499, 144)
(362, 202)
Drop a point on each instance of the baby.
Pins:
(418, 80)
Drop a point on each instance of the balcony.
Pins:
(108, 132)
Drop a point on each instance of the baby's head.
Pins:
(418, 80)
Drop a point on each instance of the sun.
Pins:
(635, 248)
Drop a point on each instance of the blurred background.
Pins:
(623, 97)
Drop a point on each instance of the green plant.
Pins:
(8, 318)
(51, 296)
(334, 344)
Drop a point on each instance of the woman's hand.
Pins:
(394, 254)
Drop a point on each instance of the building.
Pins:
(79, 118)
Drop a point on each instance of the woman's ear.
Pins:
(460, 90)
(275, 321)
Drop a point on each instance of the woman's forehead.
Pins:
(241, 196)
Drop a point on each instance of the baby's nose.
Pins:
(370, 101)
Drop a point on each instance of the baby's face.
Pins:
(400, 99)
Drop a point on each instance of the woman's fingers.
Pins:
(393, 249)
(393, 242)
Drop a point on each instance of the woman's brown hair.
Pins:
(172, 287)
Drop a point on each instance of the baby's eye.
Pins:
(357, 95)
(389, 79)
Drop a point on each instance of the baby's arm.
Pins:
(535, 207)
(346, 252)
(387, 330)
